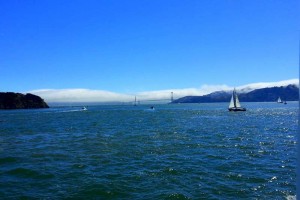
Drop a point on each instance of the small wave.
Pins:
(150, 110)
(77, 110)
(8, 160)
(170, 170)
(98, 191)
(28, 173)
(62, 111)
(177, 196)
(79, 166)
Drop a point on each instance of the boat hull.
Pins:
(237, 109)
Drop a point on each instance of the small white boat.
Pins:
(151, 109)
(84, 108)
(279, 100)
(235, 103)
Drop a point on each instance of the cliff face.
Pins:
(11, 100)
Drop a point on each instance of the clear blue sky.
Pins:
(139, 45)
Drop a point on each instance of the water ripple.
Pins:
(176, 152)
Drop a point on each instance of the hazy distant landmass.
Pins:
(11, 100)
(286, 93)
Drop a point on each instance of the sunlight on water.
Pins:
(291, 197)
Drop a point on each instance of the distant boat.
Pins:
(235, 103)
(84, 108)
(285, 102)
(135, 101)
(279, 100)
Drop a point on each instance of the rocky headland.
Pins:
(11, 100)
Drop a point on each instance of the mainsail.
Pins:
(234, 102)
(231, 105)
(237, 102)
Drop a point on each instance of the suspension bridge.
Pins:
(138, 101)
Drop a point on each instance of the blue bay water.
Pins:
(185, 151)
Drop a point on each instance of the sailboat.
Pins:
(135, 101)
(279, 100)
(235, 103)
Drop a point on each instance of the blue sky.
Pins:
(146, 45)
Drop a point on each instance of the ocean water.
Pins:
(184, 151)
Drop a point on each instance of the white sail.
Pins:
(231, 105)
(279, 100)
(237, 102)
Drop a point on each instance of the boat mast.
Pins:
(234, 98)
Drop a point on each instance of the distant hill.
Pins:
(287, 93)
(11, 100)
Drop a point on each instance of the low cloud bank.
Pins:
(177, 93)
(254, 86)
(86, 95)
(80, 95)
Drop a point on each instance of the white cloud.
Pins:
(80, 95)
(177, 93)
(86, 95)
(253, 86)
